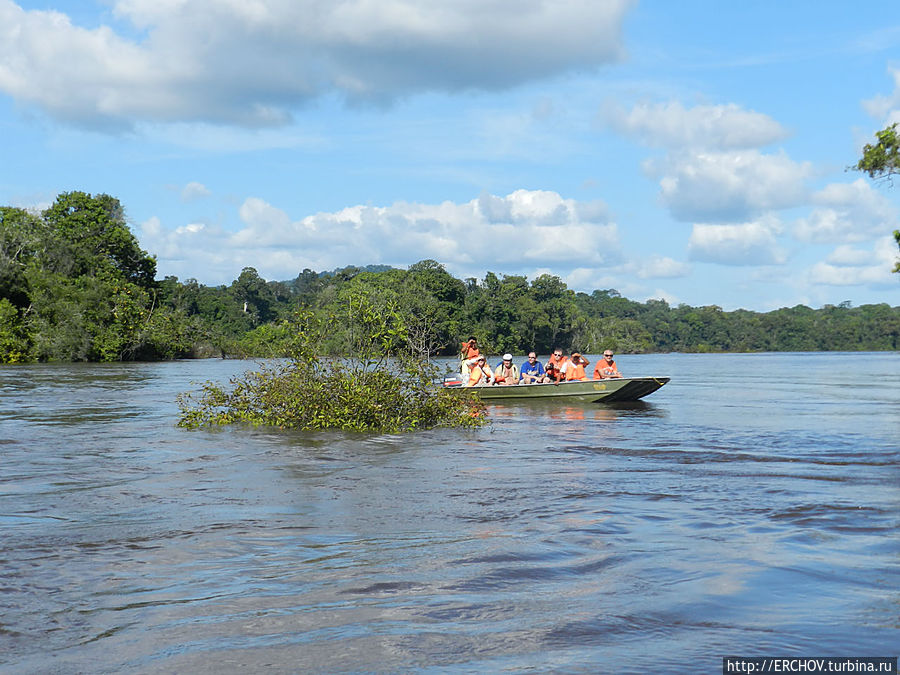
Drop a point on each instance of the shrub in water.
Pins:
(378, 384)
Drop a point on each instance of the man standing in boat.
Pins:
(606, 367)
(468, 354)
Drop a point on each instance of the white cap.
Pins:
(507, 357)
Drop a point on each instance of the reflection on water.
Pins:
(732, 512)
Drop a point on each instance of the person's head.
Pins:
(507, 359)
(557, 352)
(608, 355)
(532, 356)
(481, 361)
(472, 340)
(576, 357)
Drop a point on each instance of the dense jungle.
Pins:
(76, 286)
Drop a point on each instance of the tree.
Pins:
(92, 237)
(881, 161)
(20, 237)
(255, 295)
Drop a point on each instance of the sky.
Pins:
(694, 152)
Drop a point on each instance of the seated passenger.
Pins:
(551, 372)
(574, 368)
(480, 374)
(533, 370)
(557, 358)
(506, 372)
(606, 367)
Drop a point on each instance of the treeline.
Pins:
(76, 286)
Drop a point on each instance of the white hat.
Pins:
(507, 357)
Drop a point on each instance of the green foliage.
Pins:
(881, 159)
(91, 237)
(897, 239)
(14, 345)
(75, 286)
(377, 386)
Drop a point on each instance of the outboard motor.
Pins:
(453, 380)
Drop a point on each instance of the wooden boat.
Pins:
(590, 391)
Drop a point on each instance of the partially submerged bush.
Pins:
(378, 386)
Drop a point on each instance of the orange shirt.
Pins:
(606, 369)
(469, 352)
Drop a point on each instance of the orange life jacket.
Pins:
(477, 374)
(575, 371)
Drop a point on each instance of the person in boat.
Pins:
(468, 354)
(574, 368)
(551, 372)
(606, 367)
(469, 349)
(480, 373)
(557, 358)
(533, 371)
(506, 372)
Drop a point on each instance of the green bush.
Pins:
(381, 386)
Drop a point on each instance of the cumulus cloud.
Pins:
(524, 230)
(753, 243)
(886, 108)
(847, 266)
(850, 212)
(703, 127)
(729, 186)
(193, 191)
(251, 62)
(660, 267)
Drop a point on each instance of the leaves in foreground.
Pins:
(378, 386)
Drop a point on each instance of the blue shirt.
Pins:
(529, 368)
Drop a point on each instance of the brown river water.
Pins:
(751, 507)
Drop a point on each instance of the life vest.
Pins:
(557, 361)
(575, 371)
(478, 374)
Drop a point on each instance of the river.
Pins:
(751, 507)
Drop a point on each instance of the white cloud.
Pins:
(847, 256)
(193, 191)
(751, 243)
(708, 127)
(250, 62)
(729, 187)
(848, 266)
(886, 108)
(522, 231)
(847, 212)
(660, 267)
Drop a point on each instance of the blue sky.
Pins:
(693, 151)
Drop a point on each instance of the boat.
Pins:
(589, 391)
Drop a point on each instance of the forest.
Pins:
(76, 286)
